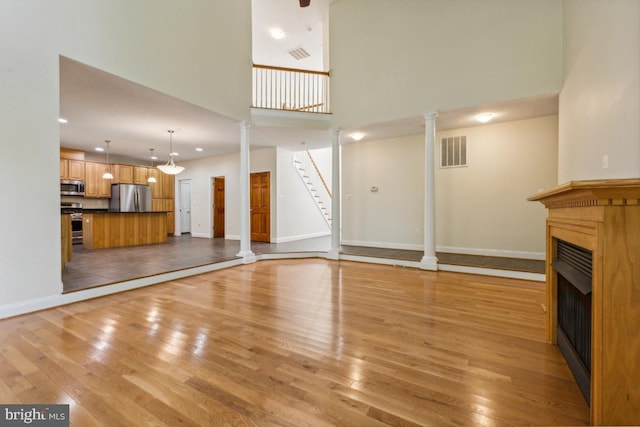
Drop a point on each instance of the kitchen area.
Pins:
(132, 208)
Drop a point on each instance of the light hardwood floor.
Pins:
(297, 342)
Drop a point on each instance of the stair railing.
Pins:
(290, 89)
(310, 174)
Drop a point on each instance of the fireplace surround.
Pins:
(601, 217)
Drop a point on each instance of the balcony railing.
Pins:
(290, 89)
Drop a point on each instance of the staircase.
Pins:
(315, 183)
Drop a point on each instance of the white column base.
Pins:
(429, 263)
(248, 257)
(334, 254)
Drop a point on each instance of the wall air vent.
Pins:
(299, 53)
(453, 152)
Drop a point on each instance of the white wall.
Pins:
(323, 158)
(298, 216)
(293, 214)
(600, 98)
(176, 50)
(484, 206)
(201, 172)
(481, 208)
(395, 59)
(392, 216)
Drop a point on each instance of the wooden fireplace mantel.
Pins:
(603, 216)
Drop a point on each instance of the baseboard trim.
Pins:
(385, 245)
(301, 237)
(291, 255)
(492, 252)
(510, 274)
(450, 249)
(201, 235)
(382, 261)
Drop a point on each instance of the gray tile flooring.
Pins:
(96, 267)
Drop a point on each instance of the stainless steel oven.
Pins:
(75, 210)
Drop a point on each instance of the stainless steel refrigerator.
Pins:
(130, 198)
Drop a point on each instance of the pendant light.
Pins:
(107, 174)
(151, 177)
(170, 168)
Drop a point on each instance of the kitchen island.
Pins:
(116, 229)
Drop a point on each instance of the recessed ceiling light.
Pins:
(174, 154)
(357, 136)
(99, 149)
(277, 33)
(61, 120)
(484, 117)
(154, 157)
(199, 149)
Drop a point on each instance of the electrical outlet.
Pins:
(605, 161)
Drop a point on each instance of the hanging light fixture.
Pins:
(107, 174)
(170, 168)
(151, 177)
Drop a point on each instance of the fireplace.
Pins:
(593, 291)
(573, 267)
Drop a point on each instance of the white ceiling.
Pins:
(302, 26)
(100, 105)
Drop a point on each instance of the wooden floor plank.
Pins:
(298, 342)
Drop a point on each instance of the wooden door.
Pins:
(218, 207)
(261, 207)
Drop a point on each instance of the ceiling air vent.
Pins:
(299, 53)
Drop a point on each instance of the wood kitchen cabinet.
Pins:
(165, 205)
(171, 225)
(156, 187)
(156, 205)
(95, 185)
(168, 186)
(72, 169)
(123, 174)
(140, 174)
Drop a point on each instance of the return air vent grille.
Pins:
(299, 53)
(453, 152)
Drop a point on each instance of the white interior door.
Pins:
(185, 206)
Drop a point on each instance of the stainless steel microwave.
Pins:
(71, 188)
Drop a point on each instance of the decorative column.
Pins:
(245, 225)
(429, 260)
(334, 252)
